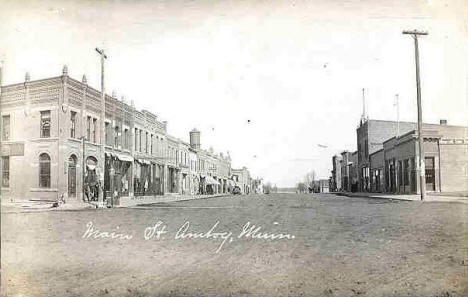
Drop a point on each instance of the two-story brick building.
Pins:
(53, 146)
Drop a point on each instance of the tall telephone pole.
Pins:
(364, 115)
(422, 175)
(103, 127)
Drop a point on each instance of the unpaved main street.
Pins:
(338, 246)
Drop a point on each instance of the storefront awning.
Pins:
(121, 157)
(124, 158)
(211, 181)
(143, 161)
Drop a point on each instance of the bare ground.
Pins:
(342, 247)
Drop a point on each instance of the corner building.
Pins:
(52, 147)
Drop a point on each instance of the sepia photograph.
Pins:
(238, 148)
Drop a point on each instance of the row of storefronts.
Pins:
(387, 159)
(58, 143)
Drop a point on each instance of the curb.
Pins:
(371, 197)
(183, 199)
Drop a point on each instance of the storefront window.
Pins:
(5, 172)
(44, 171)
(407, 172)
(91, 186)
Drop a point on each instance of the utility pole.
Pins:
(363, 117)
(422, 175)
(397, 104)
(83, 138)
(103, 127)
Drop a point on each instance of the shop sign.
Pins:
(12, 149)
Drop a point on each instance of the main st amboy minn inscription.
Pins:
(159, 229)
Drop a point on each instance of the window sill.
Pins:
(43, 190)
(92, 143)
(5, 189)
(44, 139)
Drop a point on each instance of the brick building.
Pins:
(445, 157)
(242, 179)
(52, 147)
(324, 185)
(257, 186)
(348, 166)
(335, 181)
(371, 135)
(387, 157)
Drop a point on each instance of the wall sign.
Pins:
(12, 149)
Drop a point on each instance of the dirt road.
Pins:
(337, 246)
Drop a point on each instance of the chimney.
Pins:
(443, 122)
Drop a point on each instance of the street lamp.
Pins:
(422, 177)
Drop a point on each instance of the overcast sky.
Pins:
(294, 69)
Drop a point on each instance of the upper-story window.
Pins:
(157, 145)
(151, 145)
(139, 141)
(146, 142)
(126, 138)
(45, 124)
(107, 136)
(95, 128)
(88, 129)
(6, 127)
(72, 124)
(136, 138)
(116, 136)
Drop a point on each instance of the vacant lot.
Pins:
(341, 247)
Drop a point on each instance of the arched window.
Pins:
(72, 160)
(44, 171)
